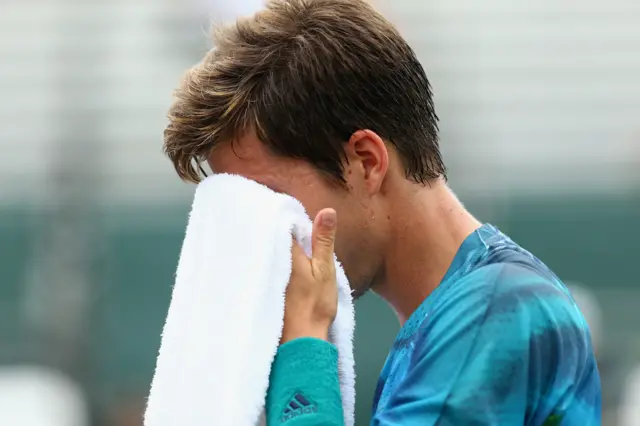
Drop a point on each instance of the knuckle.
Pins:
(325, 239)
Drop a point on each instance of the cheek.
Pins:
(313, 197)
(351, 253)
(351, 234)
(343, 242)
(312, 205)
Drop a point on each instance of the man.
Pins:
(323, 100)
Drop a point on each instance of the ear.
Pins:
(368, 160)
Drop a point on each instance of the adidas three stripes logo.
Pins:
(297, 406)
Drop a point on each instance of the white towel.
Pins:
(226, 314)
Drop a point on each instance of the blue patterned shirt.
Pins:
(499, 342)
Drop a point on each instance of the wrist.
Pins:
(315, 331)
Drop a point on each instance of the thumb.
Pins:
(323, 239)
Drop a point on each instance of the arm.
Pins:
(513, 355)
(304, 388)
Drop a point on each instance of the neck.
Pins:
(427, 229)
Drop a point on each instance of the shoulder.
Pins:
(527, 291)
(511, 313)
(513, 297)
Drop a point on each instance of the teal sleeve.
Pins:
(304, 388)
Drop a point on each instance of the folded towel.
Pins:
(226, 314)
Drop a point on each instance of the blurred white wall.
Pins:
(536, 96)
(115, 62)
(541, 96)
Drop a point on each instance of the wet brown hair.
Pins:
(305, 75)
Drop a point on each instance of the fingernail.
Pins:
(329, 219)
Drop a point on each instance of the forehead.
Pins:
(249, 157)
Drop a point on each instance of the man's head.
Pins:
(319, 99)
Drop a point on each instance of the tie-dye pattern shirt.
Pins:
(499, 342)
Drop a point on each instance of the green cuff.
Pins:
(304, 388)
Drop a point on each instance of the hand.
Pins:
(312, 294)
